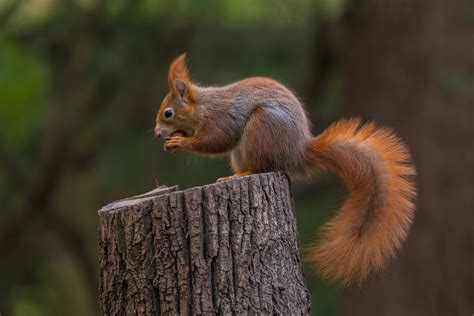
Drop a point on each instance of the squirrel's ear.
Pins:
(180, 89)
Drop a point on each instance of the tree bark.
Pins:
(228, 247)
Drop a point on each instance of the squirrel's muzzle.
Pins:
(162, 132)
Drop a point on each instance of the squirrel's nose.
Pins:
(157, 132)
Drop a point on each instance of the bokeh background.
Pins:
(82, 80)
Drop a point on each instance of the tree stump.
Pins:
(226, 248)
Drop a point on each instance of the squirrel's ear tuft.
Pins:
(178, 80)
(178, 70)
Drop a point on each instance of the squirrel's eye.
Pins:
(168, 113)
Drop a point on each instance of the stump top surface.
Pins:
(163, 190)
(134, 200)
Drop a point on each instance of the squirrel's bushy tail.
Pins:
(375, 216)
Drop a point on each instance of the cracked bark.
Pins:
(225, 248)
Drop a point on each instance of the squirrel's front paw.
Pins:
(177, 143)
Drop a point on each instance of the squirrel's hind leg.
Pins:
(238, 165)
(237, 162)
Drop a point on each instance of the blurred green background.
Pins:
(81, 82)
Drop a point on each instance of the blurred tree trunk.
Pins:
(409, 65)
(229, 247)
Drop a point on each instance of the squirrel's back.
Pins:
(268, 119)
(245, 96)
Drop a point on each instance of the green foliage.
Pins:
(330, 100)
(455, 82)
(312, 213)
(24, 307)
(331, 9)
(466, 14)
(228, 12)
(24, 80)
(58, 290)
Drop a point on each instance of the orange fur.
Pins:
(178, 70)
(375, 216)
(263, 127)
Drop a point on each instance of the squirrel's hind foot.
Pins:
(239, 174)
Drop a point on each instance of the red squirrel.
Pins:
(263, 127)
